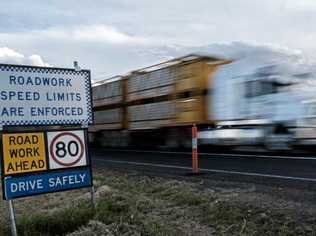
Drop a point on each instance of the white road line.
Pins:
(218, 154)
(211, 170)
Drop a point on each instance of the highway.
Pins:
(298, 171)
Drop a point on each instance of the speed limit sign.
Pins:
(66, 149)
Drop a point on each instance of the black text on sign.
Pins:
(66, 149)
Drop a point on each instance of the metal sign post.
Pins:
(92, 197)
(11, 210)
(92, 191)
(12, 218)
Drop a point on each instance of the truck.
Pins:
(233, 102)
(262, 103)
(156, 105)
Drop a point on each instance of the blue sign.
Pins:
(28, 185)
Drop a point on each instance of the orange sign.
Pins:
(23, 152)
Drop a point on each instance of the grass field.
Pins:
(134, 204)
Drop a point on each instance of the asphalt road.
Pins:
(279, 170)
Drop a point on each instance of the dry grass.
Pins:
(133, 204)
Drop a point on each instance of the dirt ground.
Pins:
(135, 204)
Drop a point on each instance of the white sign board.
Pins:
(44, 96)
(66, 149)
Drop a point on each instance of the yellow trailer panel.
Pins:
(108, 92)
(170, 93)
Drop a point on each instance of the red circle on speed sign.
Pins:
(55, 139)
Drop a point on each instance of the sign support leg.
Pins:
(85, 126)
(12, 218)
(92, 197)
(11, 210)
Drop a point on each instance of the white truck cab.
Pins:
(257, 103)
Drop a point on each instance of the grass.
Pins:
(142, 205)
(230, 219)
(57, 223)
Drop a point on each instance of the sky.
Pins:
(112, 37)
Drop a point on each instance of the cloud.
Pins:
(103, 33)
(257, 51)
(36, 60)
(10, 56)
(95, 33)
(231, 50)
(113, 37)
(247, 56)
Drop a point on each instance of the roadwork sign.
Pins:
(31, 95)
(27, 185)
(66, 149)
(43, 162)
(23, 152)
(43, 96)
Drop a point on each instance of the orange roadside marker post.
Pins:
(195, 168)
